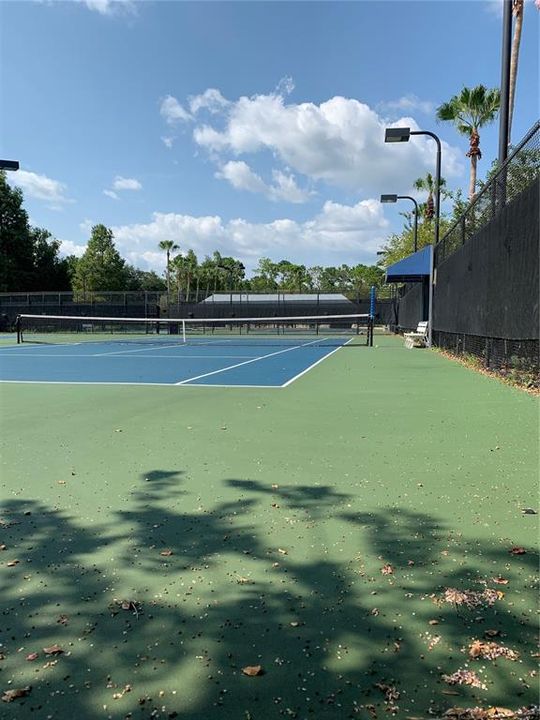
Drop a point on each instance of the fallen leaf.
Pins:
(465, 677)
(529, 511)
(283, 552)
(53, 650)
(11, 695)
(433, 622)
(3, 547)
(387, 569)
(517, 551)
(63, 620)
(252, 670)
(275, 487)
(166, 553)
(492, 633)
(12, 563)
(32, 656)
(500, 581)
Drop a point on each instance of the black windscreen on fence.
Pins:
(489, 286)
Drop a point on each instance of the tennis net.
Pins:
(351, 329)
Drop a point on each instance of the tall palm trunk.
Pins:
(518, 6)
(475, 154)
(168, 274)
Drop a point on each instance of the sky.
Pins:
(252, 128)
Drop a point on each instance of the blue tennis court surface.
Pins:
(256, 363)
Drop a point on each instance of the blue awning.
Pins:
(413, 268)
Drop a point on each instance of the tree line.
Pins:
(30, 261)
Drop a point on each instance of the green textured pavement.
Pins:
(276, 511)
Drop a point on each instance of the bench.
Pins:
(417, 339)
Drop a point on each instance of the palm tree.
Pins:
(427, 184)
(169, 246)
(469, 111)
(518, 6)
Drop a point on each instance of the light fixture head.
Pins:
(9, 164)
(401, 134)
(388, 198)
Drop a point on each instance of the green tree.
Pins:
(267, 272)
(169, 246)
(427, 184)
(16, 243)
(137, 279)
(50, 271)
(469, 111)
(101, 267)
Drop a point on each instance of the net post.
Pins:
(18, 329)
(183, 331)
(371, 315)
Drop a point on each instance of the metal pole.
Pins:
(505, 81)
(437, 219)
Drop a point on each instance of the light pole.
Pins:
(403, 134)
(394, 198)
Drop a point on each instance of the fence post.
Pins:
(463, 229)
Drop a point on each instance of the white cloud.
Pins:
(172, 111)
(339, 142)
(111, 194)
(211, 99)
(168, 141)
(409, 103)
(337, 234)
(40, 187)
(242, 177)
(285, 86)
(285, 188)
(122, 183)
(68, 247)
(111, 7)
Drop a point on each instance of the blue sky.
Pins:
(253, 128)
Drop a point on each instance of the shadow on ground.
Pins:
(158, 610)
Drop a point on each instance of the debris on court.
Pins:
(490, 651)
(16, 693)
(531, 712)
(253, 670)
(465, 677)
(471, 599)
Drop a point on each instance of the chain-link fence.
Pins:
(518, 172)
(520, 358)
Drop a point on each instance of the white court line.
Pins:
(289, 382)
(151, 346)
(141, 357)
(247, 362)
(106, 382)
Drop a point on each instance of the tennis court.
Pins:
(158, 546)
(218, 362)
(273, 353)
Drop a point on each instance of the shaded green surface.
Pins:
(382, 456)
